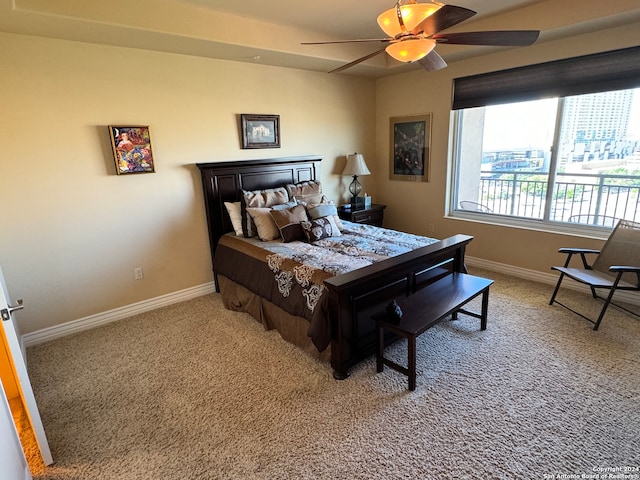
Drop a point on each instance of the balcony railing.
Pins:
(591, 199)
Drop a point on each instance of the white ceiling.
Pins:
(271, 32)
(339, 18)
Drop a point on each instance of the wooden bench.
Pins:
(427, 307)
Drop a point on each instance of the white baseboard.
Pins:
(75, 326)
(116, 314)
(524, 273)
(550, 278)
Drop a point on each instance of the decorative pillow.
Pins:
(259, 199)
(233, 209)
(288, 222)
(309, 198)
(263, 223)
(301, 189)
(265, 226)
(324, 209)
(320, 228)
(284, 206)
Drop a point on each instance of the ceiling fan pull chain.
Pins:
(400, 20)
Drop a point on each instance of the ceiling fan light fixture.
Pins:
(412, 15)
(411, 50)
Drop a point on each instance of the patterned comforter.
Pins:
(291, 275)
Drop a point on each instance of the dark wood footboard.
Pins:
(356, 296)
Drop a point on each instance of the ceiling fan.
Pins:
(413, 32)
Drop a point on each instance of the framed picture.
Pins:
(260, 131)
(132, 149)
(410, 144)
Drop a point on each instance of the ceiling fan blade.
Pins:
(517, 38)
(355, 62)
(447, 16)
(359, 40)
(432, 62)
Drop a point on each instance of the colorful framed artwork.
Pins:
(410, 146)
(260, 131)
(132, 149)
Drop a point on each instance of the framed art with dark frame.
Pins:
(260, 131)
(132, 149)
(410, 146)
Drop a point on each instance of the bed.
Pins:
(339, 329)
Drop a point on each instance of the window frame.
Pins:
(601, 72)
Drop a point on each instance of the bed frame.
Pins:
(353, 297)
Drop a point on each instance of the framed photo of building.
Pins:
(131, 149)
(260, 131)
(410, 148)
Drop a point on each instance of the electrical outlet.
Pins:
(138, 273)
(432, 228)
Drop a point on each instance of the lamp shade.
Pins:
(412, 15)
(356, 165)
(411, 49)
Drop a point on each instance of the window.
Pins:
(524, 155)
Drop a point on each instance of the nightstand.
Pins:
(372, 215)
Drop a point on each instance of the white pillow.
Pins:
(233, 209)
(334, 226)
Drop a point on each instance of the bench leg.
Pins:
(411, 347)
(485, 309)
(380, 351)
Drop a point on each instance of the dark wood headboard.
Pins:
(223, 182)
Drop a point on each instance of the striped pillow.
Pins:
(259, 199)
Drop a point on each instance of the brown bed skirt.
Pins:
(292, 328)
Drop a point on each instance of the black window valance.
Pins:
(613, 70)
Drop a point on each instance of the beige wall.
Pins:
(414, 206)
(72, 230)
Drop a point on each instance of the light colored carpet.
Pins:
(193, 391)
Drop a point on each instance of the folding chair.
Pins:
(617, 267)
(474, 206)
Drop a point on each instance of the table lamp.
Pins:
(356, 166)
